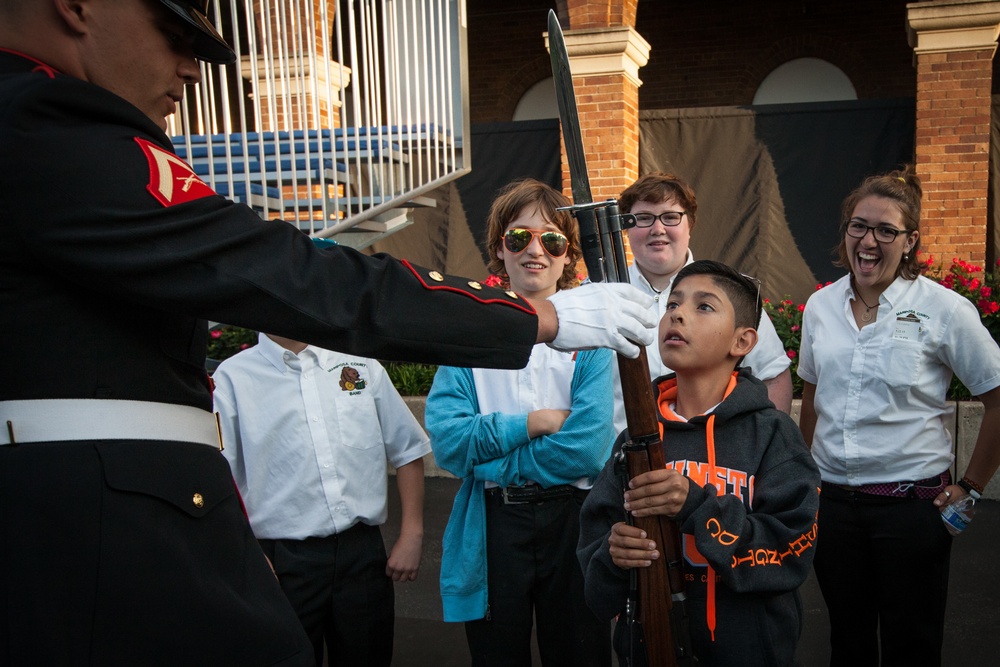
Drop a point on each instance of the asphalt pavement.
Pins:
(972, 630)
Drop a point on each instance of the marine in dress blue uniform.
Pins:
(122, 538)
(129, 551)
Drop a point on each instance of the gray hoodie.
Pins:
(750, 523)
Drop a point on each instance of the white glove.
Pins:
(604, 315)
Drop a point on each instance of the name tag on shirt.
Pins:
(908, 327)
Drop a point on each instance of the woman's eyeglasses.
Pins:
(882, 233)
(517, 240)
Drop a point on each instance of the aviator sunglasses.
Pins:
(554, 243)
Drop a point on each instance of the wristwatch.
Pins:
(966, 484)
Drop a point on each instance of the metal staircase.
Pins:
(340, 115)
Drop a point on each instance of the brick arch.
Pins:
(518, 83)
(804, 46)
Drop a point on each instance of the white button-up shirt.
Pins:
(544, 383)
(767, 359)
(880, 390)
(307, 437)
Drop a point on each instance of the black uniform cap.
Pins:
(208, 43)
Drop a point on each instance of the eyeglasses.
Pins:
(517, 240)
(668, 218)
(757, 303)
(882, 233)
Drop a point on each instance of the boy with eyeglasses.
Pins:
(665, 211)
(526, 444)
(739, 481)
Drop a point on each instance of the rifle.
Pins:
(655, 614)
(655, 611)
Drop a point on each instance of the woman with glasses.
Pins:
(527, 444)
(879, 348)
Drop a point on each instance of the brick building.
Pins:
(668, 55)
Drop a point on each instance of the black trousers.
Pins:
(882, 565)
(124, 553)
(338, 587)
(533, 574)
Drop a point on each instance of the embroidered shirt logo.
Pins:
(351, 380)
(171, 179)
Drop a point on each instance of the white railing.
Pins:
(337, 112)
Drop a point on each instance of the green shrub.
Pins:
(224, 341)
(410, 379)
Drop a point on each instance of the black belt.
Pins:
(531, 494)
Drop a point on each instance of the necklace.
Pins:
(867, 315)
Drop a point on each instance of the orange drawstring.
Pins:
(710, 584)
(668, 393)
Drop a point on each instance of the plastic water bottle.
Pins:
(958, 515)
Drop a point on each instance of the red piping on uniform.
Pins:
(524, 305)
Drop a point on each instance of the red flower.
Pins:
(215, 333)
(802, 307)
(795, 327)
(791, 354)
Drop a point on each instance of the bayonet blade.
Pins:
(568, 117)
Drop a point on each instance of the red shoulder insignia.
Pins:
(171, 179)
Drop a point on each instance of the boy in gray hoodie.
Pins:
(739, 481)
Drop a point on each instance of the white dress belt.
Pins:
(62, 419)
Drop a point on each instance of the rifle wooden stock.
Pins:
(644, 452)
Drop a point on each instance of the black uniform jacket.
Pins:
(112, 258)
(105, 280)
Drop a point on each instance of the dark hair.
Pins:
(743, 291)
(657, 187)
(513, 199)
(903, 188)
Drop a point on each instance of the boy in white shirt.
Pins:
(307, 433)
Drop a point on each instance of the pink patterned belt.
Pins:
(924, 489)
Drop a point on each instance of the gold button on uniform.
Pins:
(474, 285)
(511, 294)
(198, 500)
(434, 275)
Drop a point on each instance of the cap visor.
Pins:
(208, 44)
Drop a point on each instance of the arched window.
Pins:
(538, 102)
(805, 80)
